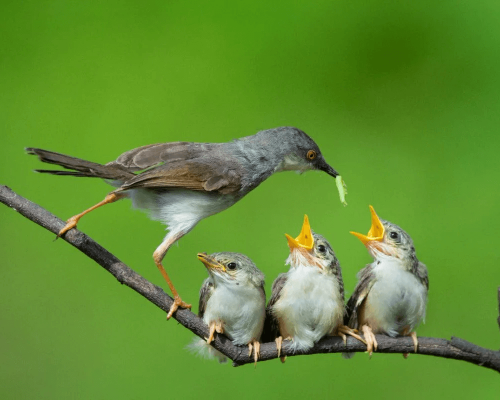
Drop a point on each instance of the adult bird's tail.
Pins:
(78, 166)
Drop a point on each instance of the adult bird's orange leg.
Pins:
(71, 223)
(158, 256)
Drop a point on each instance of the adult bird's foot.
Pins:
(343, 330)
(70, 224)
(255, 348)
(177, 303)
(371, 341)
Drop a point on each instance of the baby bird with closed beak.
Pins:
(391, 295)
(232, 300)
(307, 302)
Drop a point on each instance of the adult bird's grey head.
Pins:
(391, 294)
(181, 183)
(232, 300)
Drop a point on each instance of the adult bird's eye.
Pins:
(393, 235)
(321, 248)
(311, 155)
(231, 265)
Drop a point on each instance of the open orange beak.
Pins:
(376, 232)
(304, 240)
(210, 262)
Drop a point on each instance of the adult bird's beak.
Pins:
(376, 232)
(304, 240)
(210, 262)
(324, 166)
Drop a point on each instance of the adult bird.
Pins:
(391, 294)
(181, 183)
(307, 302)
(232, 302)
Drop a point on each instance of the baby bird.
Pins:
(391, 295)
(307, 302)
(232, 301)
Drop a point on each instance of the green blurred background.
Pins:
(403, 99)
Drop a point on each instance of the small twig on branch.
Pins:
(498, 320)
(455, 348)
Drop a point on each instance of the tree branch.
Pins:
(455, 348)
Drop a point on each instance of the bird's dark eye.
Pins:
(231, 266)
(311, 155)
(321, 248)
(393, 235)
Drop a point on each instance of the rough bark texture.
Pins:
(455, 348)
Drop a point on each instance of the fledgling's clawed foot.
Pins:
(371, 341)
(279, 343)
(177, 303)
(415, 340)
(211, 334)
(255, 348)
(415, 344)
(343, 330)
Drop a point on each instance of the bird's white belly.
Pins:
(310, 307)
(241, 311)
(396, 302)
(180, 209)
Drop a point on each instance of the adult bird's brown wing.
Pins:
(355, 303)
(206, 291)
(210, 175)
(195, 166)
(145, 157)
(271, 326)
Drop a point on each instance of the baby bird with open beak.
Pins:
(307, 302)
(232, 301)
(391, 295)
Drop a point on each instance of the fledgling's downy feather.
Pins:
(233, 298)
(391, 295)
(307, 302)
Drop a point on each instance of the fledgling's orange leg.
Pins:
(279, 343)
(415, 340)
(415, 343)
(371, 341)
(158, 256)
(219, 327)
(211, 333)
(71, 223)
(256, 350)
(343, 330)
